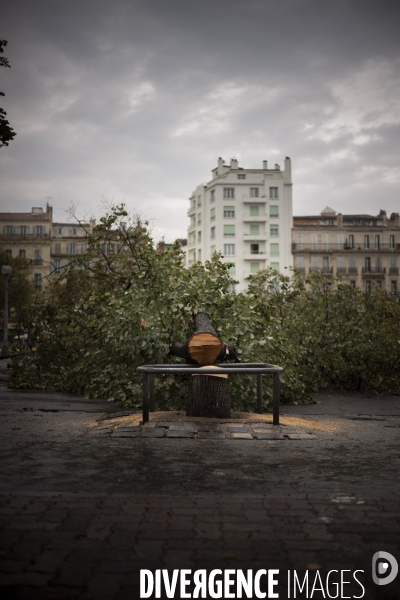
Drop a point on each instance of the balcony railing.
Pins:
(373, 271)
(326, 270)
(394, 270)
(24, 236)
(342, 247)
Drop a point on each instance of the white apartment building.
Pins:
(246, 214)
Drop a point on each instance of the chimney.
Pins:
(288, 168)
(220, 165)
(234, 163)
(265, 165)
(277, 167)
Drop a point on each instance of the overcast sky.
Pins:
(134, 101)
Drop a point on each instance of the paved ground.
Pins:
(87, 499)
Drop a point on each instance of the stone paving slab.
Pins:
(153, 433)
(211, 435)
(180, 433)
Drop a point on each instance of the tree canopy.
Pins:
(6, 131)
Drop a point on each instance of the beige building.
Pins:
(363, 249)
(48, 246)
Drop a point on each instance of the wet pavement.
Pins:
(88, 497)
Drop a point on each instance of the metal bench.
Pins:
(259, 369)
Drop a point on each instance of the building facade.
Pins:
(46, 245)
(246, 214)
(363, 249)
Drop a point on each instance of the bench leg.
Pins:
(151, 393)
(259, 395)
(145, 397)
(276, 399)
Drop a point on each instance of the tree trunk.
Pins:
(209, 397)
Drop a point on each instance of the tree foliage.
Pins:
(121, 304)
(6, 131)
(20, 289)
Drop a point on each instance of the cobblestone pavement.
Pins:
(83, 507)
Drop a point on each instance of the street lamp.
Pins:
(6, 270)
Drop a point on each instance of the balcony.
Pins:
(24, 236)
(191, 210)
(321, 247)
(325, 270)
(249, 237)
(341, 270)
(393, 270)
(254, 256)
(247, 217)
(373, 272)
(250, 200)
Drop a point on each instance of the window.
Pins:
(37, 282)
(212, 214)
(300, 263)
(241, 176)
(232, 269)
(314, 264)
(57, 248)
(229, 249)
(9, 252)
(341, 264)
(60, 230)
(85, 246)
(366, 241)
(212, 196)
(352, 264)
(198, 237)
(254, 267)
(351, 241)
(37, 257)
(255, 249)
(393, 287)
(340, 241)
(314, 241)
(212, 233)
(273, 192)
(72, 248)
(57, 266)
(254, 211)
(229, 192)
(74, 230)
(352, 283)
(229, 211)
(229, 230)
(254, 192)
(274, 249)
(393, 265)
(299, 242)
(254, 230)
(325, 264)
(199, 254)
(391, 241)
(198, 201)
(325, 241)
(379, 283)
(199, 219)
(275, 266)
(8, 229)
(39, 230)
(193, 203)
(213, 250)
(192, 221)
(377, 241)
(22, 253)
(274, 211)
(25, 229)
(274, 230)
(378, 264)
(367, 267)
(367, 286)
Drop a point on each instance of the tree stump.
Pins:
(208, 394)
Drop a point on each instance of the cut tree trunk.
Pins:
(209, 396)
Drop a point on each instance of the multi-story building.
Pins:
(363, 249)
(246, 214)
(48, 246)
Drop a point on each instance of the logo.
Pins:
(384, 568)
